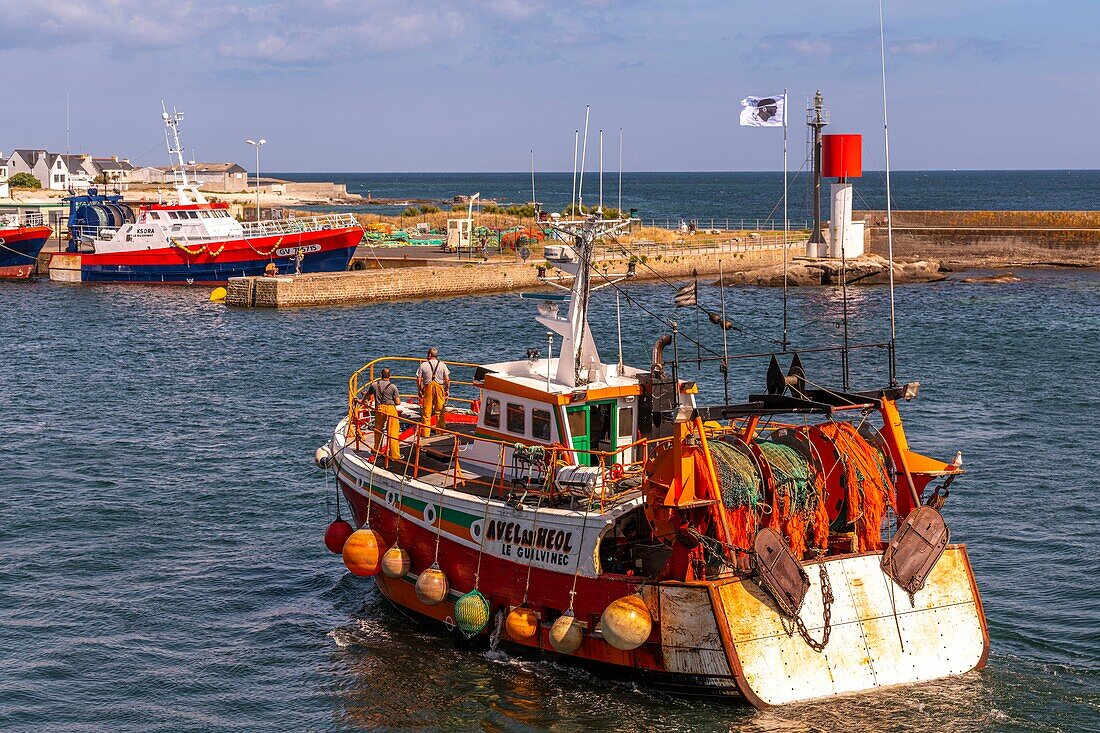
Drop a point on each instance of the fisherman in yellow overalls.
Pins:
(433, 380)
(386, 400)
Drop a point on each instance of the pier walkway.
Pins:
(439, 277)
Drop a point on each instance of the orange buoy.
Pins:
(336, 535)
(626, 623)
(363, 552)
(396, 563)
(522, 623)
(431, 586)
(566, 634)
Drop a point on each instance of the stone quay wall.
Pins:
(445, 280)
(989, 238)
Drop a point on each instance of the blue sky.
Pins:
(472, 85)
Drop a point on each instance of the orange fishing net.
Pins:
(866, 483)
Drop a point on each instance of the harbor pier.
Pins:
(443, 278)
(989, 238)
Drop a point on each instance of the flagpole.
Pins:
(785, 220)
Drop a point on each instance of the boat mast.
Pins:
(187, 192)
(578, 357)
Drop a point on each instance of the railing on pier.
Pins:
(728, 224)
(754, 241)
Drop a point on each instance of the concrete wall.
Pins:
(989, 238)
(414, 283)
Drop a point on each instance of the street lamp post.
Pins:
(257, 145)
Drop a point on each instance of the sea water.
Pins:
(161, 557)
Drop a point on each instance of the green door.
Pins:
(593, 427)
(578, 428)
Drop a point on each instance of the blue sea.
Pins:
(161, 557)
(755, 199)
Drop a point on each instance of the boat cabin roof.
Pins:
(186, 207)
(535, 379)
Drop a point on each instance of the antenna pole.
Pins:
(584, 150)
(66, 125)
(844, 300)
(532, 178)
(620, 173)
(619, 326)
(549, 356)
(785, 224)
(725, 344)
(576, 145)
(599, 209)
(889, 216)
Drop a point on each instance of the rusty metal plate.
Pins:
(916, 548)
(779, 573)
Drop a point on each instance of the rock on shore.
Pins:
(865, 270)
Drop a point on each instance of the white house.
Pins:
(36, 162)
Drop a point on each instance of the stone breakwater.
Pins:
(445, 280)
(865, 270)
(989, 238)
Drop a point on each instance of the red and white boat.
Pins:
(22, 236)
(194, 241)
(586, 510)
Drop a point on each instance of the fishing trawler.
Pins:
(785, 548)
(22, 236)
(193, 241)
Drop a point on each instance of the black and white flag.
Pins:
(687, 295)
(764, 111)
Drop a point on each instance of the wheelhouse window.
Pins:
(540, 424)
(517, 419)
(626, 422)
(492, 413)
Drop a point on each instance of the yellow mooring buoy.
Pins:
(363, 552)
(431, 586)
(217, 295)
(627, 623)
(566, 634)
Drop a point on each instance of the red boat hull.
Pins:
(19, 250)
(324, 250)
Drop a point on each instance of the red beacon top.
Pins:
(842, 156)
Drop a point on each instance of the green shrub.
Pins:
(608, 212)
(522, 210)
(491, 209)
(426, 209)
(410, 211)
(24, 180)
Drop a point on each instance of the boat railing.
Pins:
(23, 219)
(530, 480)
(519, 465)
(465, 393)
(298, 225)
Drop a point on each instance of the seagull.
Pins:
(958, 462)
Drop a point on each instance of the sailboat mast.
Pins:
(584, 151)
(576, 146)
(889, 214)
